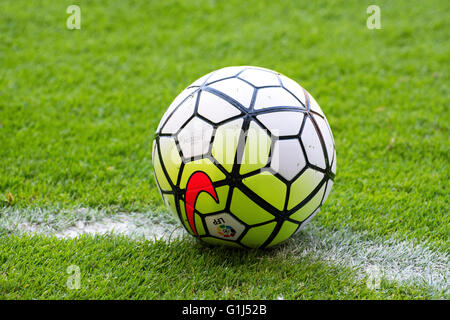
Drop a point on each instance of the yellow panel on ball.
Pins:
(305, 211)
(287, 229)
(170, 157)
(206, 204)
(225, 143)
(268, 187)
(256, 236)
(257, 148)
(204, 165)
(303, 186)
(159, 173)
(169, 201)
(247, 210)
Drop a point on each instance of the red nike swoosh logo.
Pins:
(198, 182)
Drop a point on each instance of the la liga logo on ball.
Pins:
(226, 231)
(244, 157)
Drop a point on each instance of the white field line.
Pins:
(375, 258)
(74, 223)
(372, 258)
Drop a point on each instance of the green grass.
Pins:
(182, 270)
(78, 110)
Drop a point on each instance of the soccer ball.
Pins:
(244, 157)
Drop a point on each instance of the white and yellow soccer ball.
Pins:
(245, 157)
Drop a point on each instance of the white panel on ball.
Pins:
(215, 108)
(225, 73)
(327, 190)
(287, 158)
(260, 78)
(333, 167)
(275, 97)
(294, 88)
(282, 123)
(180, 116)
(326, 134)
(237, 89)
(183, 95)
(200, 81)
(195, 138)
(315, 106)
(312, 145)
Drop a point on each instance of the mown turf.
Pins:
(117, 268)
(78, 110)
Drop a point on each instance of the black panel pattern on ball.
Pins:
(234, 179)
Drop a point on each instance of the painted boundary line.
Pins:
(393, 260)
(402, 261)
